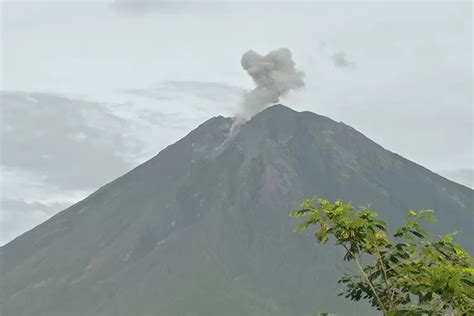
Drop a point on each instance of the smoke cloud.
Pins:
(274, 75)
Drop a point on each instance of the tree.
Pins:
(406, 274)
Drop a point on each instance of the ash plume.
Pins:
(274, 75)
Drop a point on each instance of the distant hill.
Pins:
(203, 227)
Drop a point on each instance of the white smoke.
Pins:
(274, 75)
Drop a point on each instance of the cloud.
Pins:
(206, 90)
(155, 94)
(19, 216)
(170, 89)
(60, 139)
(27, 200)
(168, 120)
(141, 7)
(340, 60)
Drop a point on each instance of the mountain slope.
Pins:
(203, 227)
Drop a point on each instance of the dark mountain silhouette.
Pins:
(203, 227)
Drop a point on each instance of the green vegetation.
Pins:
(406, 274)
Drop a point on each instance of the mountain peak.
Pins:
(279, 114)
(278, 107)
(275, 110)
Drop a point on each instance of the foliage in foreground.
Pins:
(406, 274)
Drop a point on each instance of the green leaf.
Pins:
(447, 239)
(408, 276)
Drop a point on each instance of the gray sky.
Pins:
(91, 89)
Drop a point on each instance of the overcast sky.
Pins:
(90, 90)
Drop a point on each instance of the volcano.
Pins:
(203, 227)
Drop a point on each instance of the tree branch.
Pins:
(379, 301)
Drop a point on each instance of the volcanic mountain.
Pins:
(203, 227)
